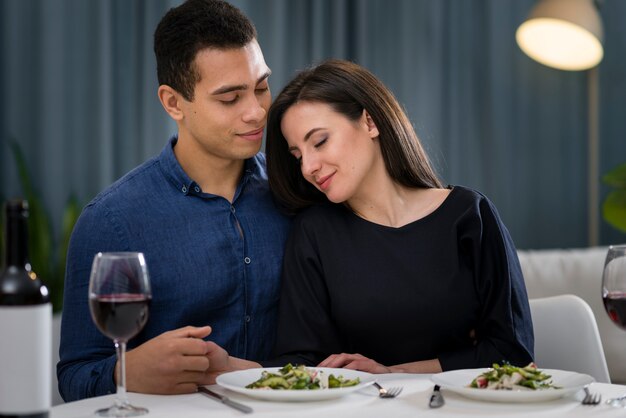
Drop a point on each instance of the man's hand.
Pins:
(220, 362)
(172, 363)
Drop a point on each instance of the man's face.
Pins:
(227, 116)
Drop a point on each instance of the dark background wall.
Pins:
(79, 95)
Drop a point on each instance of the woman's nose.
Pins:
(309, 165)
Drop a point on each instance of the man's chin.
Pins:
(251, 151)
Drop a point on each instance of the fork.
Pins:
(388, 393)
(590, 397)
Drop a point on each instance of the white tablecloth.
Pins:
(412, 402)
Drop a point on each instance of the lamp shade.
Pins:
(564, 34)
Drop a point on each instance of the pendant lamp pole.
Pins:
(593, 158)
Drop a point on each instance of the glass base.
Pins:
(121, 411)
(617, 402)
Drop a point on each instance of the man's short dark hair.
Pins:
(191, 27)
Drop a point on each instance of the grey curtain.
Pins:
(79, 95)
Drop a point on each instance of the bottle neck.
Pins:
(16, 238)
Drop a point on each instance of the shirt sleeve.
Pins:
(87, 357)
(306, 332)
(504, 330)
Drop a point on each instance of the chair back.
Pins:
(567, 337)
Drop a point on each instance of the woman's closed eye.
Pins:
(320, 142)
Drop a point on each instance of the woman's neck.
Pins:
(395, 205)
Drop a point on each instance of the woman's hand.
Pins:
(354, 362)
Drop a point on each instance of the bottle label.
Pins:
(25, 359)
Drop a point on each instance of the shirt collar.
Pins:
(253, 167)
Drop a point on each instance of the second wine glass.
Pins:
(614, 292)
(119, 299)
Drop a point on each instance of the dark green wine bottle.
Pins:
(25, 325)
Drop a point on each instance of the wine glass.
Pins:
(119, 297)
(614, 288)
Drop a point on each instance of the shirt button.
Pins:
(184, 189)
(247, 260)
(232, 209)
(197, 189)
(247, 318)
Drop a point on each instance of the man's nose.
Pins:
(255, 111)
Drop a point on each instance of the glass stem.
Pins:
(121, 399)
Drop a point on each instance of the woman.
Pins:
(384, 262)
(385, 270)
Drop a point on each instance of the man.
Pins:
(201, 213)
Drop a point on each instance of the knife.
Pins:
(226, 400)
(436, 399)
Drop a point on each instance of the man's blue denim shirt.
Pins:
(210, 263)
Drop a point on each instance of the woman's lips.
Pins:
(324, 182)
(255, 135)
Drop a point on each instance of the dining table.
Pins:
(365, 403)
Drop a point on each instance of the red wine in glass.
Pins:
(615, 306)
(119, 300)
(120, 316)
(614, 289)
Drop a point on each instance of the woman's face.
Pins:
(335, 153)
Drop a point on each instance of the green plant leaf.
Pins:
(616, 177)
(614, 209)
(22, 169)
(70, 216)
(40, 241)
(47, 262)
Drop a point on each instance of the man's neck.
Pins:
(213, 174)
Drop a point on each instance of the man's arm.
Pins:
(173, 362)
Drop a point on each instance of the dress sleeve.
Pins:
(504, 331)
(306, 332)
(87, 357)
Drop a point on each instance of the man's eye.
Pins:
(230, 102)
(261, 90)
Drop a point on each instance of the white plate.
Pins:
(458, 381)
(237, 381)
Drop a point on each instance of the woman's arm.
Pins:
(503, 331)
(306, 332)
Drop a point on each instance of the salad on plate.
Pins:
(300, 377)
(507, 377)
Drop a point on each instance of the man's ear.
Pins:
(372, 129)
(170, 99)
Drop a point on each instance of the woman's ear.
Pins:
(372, 129)
(170, 99)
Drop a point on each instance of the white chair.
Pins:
(567, 337)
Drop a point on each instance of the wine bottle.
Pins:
(25, 325)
